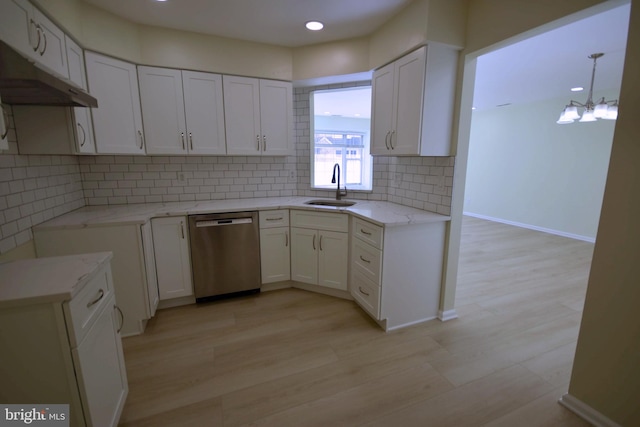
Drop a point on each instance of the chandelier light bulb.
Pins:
(571, 112)
(612, 112)
(588, 116)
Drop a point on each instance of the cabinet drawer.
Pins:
(367, 259)
(366, 293)
(367, 232)
(84, 308)
(320, 220)
(277, 218)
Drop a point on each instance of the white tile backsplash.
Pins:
(34, 189)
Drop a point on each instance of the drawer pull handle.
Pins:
(361, 291)
(182, 139)
(275, 219)
(95, 301)
(121, 318)
(365, 260)
(191, 140)
(314, 242)
(286, 239)
(365, 232)
(84, 135)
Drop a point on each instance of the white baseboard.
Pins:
(533, 227)
(404, 325)
(447, 315)
(586, 412)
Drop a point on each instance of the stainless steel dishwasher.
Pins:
(225, 254)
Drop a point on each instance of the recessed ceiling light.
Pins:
(327, 112)
(577, 89)
(357, 115)
(314, 25)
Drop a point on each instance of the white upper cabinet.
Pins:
(162, 110)
(258, 116)
(204, 110)
(413, 100)
(27, 30)
(17, 25)
(182, 111)
(117, 120)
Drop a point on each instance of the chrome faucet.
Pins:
(339, 192)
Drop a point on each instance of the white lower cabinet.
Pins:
(275, 244)
(66, 351)
(396, 272)
(134, 278)
(320, 248)
(173, 263)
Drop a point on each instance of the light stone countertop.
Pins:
(382, 213)
(47, 280)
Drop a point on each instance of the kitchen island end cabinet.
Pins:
(59, 333)
(396, 272)
(133, 275)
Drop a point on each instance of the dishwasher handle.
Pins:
(225, 221)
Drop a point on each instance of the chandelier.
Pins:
(607, 110)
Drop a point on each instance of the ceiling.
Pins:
(278, 22)
(548, 65)
(542, 67)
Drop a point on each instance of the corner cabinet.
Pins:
(258, 116)
(396, 272)
(275, 244)
(172, 259)
(117, 120)
(183, 111)
(320, 248)
(412, 105)
(64, 349)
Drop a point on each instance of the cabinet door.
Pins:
(171, 249)
(75, 60)
(17, 26)
(117, 120)
(99, 366)
(333, 259)
(276, 115)
(150, 268)
(84, 140)
(242, 115)
(52, 51)
(304, 255)
(381, 116)
(204, 110)
(162, 104)
(274, 254)
(407, 113)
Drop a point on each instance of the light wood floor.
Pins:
(294, 358)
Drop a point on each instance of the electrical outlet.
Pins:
(181, 177)
(397, 179)
(292, 176)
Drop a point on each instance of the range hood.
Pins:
(23, 82)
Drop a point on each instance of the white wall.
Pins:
(526, 169)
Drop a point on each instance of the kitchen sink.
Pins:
(329, 202)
